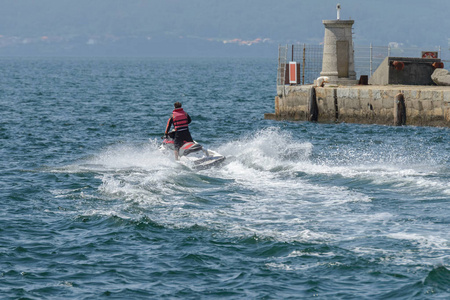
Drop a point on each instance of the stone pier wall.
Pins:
(366, 104)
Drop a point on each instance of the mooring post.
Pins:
(399, 110)
(336, 107)
(313, 115)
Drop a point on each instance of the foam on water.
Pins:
(409, 171)
(428, 243)
(261, 195)
(267, 149)
(257, 192)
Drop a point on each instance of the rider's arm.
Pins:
(169, 124)
(189, 119)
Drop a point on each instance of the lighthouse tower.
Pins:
(338, 60)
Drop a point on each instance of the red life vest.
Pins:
(180, 119)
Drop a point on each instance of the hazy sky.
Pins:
(407, 22)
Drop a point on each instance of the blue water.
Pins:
(91, 209)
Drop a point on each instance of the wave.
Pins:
(273, 185)
(435, 285)
(438, 280)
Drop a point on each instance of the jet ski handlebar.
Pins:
(171, 134)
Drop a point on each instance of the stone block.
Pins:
(426, 95)
(436, 96)
(353, 93)
(376, 94)
(277, 105)
(441, 77)
(446, 96)
(427, 105)
(354, 103)
(365, 94)
(387, 102)
(342, 93)
(365, 104)
(447, 114)
(437, 111)
(415, 104)
(437, 103)
(413, 113)
(390, 94)
(412, 94)
(270, 116)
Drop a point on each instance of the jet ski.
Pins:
(192, 154)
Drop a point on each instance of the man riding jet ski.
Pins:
(180, 120)
(192, 154)
(180, 141)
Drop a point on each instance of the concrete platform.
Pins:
(365, 104)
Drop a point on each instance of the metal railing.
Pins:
(307, 57)
(366, 58)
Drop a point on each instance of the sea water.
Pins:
(91, 209)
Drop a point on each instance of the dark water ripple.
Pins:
(89, 208)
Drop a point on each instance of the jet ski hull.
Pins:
(193, 155)
(203, 160)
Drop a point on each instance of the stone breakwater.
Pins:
(365, 104)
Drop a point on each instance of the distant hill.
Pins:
(196, 27)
